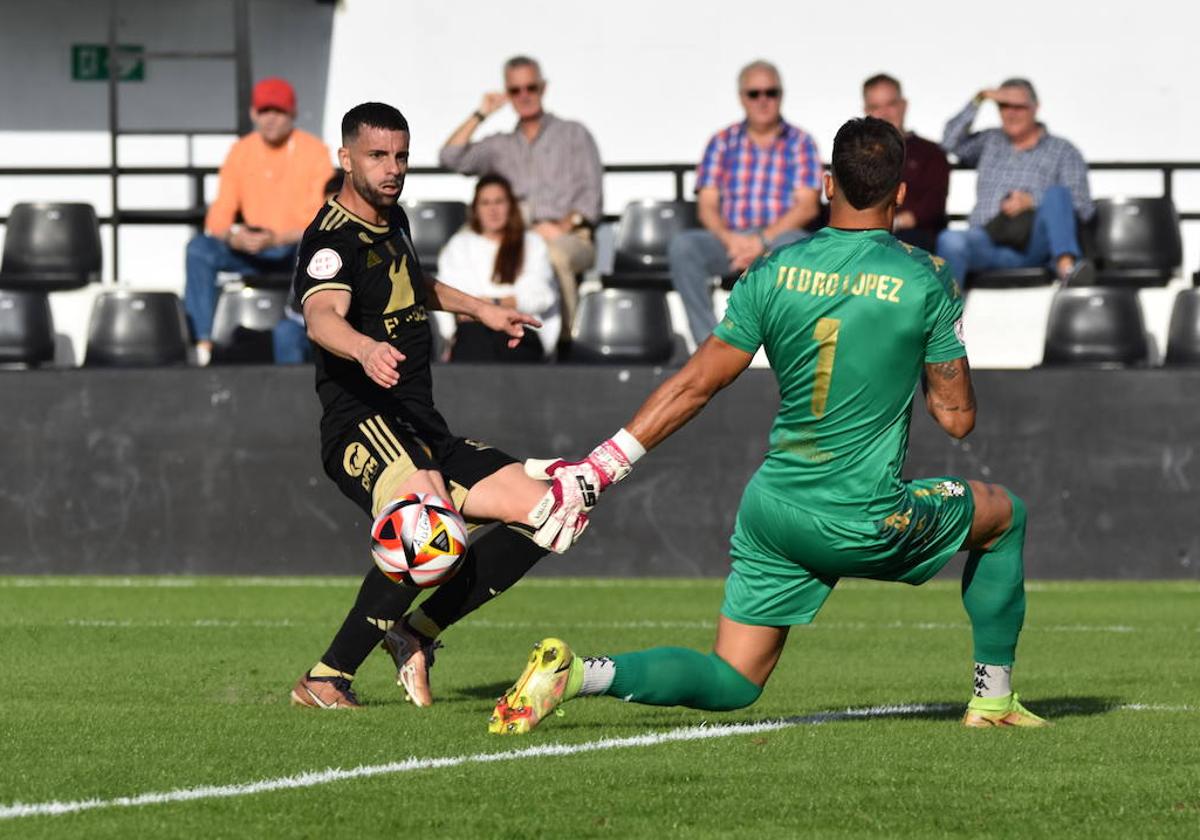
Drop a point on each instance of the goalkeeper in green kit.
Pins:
(850, 319)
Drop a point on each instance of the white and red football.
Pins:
(419, 540)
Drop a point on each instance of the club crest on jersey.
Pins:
(324, 265)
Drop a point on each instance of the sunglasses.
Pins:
(770, 93)
(1006, 106)
(516, 89)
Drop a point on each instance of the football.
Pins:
(419, 540)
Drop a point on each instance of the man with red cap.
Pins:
(271, 184)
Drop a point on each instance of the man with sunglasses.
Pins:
(553, 166)
(756, 188)
(1031, 191)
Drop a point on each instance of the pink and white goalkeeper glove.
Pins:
(561, 515)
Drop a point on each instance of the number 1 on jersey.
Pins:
(826, 334)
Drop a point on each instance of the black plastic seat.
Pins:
(1096, 325)
(644, 233)
(1183, 336)
(622, 325)
(1010, 278)
(51, 247)
(433, 223)
(243, 323)
(26, 327)
(136, 329)
(1137, 241)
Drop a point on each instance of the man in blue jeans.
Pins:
(1024, 172)
(274, 180)
(756, 189)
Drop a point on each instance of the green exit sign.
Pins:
(90, 63)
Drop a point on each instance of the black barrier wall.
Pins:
(217, 471)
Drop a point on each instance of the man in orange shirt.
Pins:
(274, 178)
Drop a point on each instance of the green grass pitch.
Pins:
(118, 688)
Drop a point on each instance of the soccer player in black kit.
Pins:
(365, 301)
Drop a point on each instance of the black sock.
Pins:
(498, 560)
(379, 602)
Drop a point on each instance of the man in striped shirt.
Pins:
(1024, 173)
(757, 187)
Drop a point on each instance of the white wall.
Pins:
(651, 79)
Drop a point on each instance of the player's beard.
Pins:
(378, 199)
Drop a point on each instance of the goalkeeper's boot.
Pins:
(413, 656)
(553, 676)
(983, 712)
(324, 693)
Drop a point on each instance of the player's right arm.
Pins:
(325, 317)
(324, 284)
(950, 396)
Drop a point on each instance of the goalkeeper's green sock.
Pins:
(993, 592)
(669, 677)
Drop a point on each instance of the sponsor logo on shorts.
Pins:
(943, 489)
(324, 265)
(359, 462)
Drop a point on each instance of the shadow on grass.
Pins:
(1052, 708)
(487, 691)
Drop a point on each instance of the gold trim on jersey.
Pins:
(333, 202)
(321, 287)
(334, 219)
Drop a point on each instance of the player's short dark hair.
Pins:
(372, 115)
(882, 79)
(868, 161)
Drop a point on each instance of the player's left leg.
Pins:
(943, 517)
(496, 489)
(993, 594)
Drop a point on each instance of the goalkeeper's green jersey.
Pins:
(848, 319)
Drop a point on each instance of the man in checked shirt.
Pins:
(1023, 170)
(757, 188)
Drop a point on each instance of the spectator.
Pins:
(1031, 191)
(757, 189)
(496, 258)
(926, 170)
(552, 164)
(289, 338)
(273, 179)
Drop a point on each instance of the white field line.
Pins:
(168, 582)
(221, 623)
(336, 774)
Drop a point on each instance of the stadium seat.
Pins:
(243, 322)
(136, 329)
(643, 234)
(26, 327)
(622, 325)
(1137, 241)
(1183, 336)
(50, 247)
(1096, 325)
(433, 223)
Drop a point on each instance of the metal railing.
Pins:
(194, 215)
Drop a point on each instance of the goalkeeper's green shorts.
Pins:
(786, 560)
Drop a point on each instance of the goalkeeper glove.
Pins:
(561, 515)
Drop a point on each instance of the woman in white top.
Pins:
(494, 257)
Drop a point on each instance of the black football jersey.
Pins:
(378, 266)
